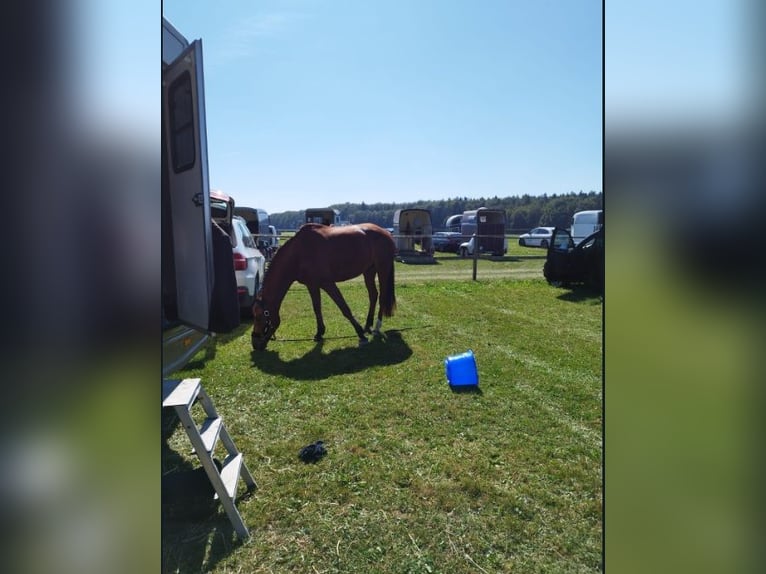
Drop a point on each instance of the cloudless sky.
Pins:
(315, 102)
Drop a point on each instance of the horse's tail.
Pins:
(387, 295)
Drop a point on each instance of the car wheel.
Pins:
(544, 244)
(246, 309)
(522, 243)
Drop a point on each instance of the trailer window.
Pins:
(181, 106)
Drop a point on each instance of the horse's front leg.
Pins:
(316, 302)
(372, 291)
(335, 294)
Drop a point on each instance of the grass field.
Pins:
(417, 478)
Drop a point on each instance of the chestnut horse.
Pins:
(319, 256)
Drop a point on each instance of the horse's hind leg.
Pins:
(372, 291)
(335, 294)
(316, 302)
(383, 276)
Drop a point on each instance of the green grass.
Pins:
(417, 478)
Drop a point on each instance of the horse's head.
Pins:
(265, 324)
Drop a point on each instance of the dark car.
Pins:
(568, 264)
(447, 241)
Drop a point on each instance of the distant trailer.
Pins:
(257, 221)
(489, 226)
(323, 215)
(453, 222)
(413, 233)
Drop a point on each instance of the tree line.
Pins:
(522, 212)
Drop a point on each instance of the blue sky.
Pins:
(316, 102)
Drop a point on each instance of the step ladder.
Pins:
(182, 395)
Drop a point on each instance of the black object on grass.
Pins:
(313, 452)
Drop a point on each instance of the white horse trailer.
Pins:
(413, 234)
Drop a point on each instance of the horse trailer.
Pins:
(489, 227)
(199, 289)
(413, 234)
(453, 222)
(187, 249)
(259, 224)
(323, 215)
(585, 223)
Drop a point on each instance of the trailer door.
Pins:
(185, 162)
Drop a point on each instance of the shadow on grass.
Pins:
(197, 545)
(211, 347)
(388, 349)
(466, 390)
(512, 258)
(191, 544)
(582, 294)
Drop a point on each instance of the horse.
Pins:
(319, 256)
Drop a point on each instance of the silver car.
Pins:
(537, 237)
(249, 262)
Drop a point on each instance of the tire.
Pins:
(522, 243)
(247, 309)
(544, 244)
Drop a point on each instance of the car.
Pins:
(447, 241)
(537, 237)
(274, 238)
(466, 248)
(568, 263)
(249, 263)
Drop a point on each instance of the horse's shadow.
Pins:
(583, 294)
(387, 349)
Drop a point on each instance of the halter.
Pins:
(269, 325)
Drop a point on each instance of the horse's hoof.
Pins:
(363, 341)
(318, 338)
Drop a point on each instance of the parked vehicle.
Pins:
(187, 246)
(584, 223)
(274, 239)
(257, 221)
(412, 234)
(454, 222)
(537, 237)
(466, 248)
(323, 215)
(447, 241)
(489, 226)
(568, 263)
(249, 263)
